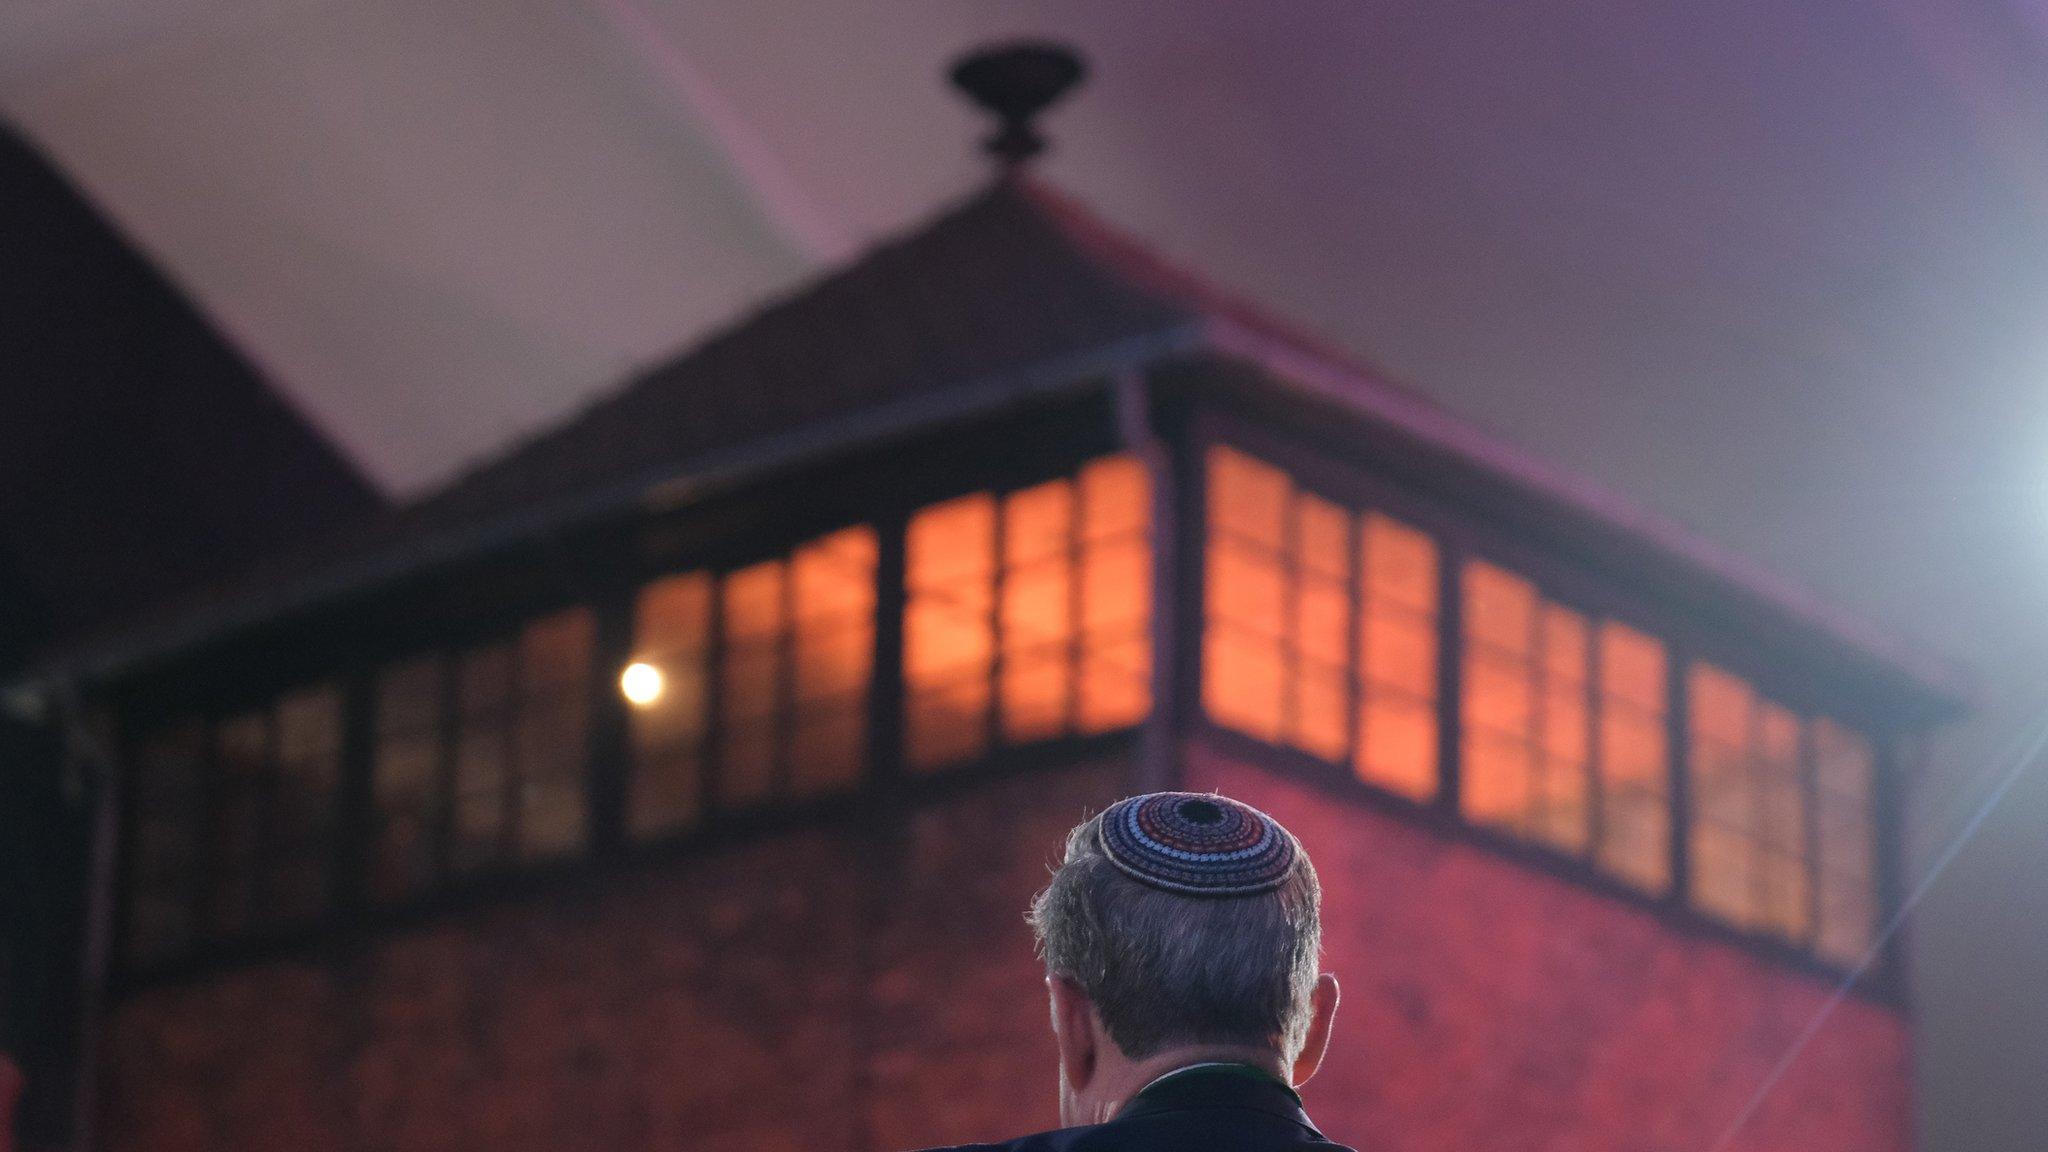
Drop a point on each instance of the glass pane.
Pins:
(1500, 609)
(242, 769)
(302, 810)
(1247, 498)
(1322, 622)
(1634, 758)
(1398, 744)
(165, 860)
(752, 600)
(406, 778)
(1040, 594)
(1400, 563)
(482, 756)
(835, 644)
(1322, 544)
(672, 632)
(1496, 786)
(554, 732)
(1322, 702)
(949, 632)
(1242, 681)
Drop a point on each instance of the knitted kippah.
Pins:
(1197, 844)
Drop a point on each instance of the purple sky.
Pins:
(1777, 270)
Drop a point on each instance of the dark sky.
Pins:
(1777, 270)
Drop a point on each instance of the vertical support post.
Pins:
(607, 753)
(1450, 676)
(355, 801)
(1678, 754)
(1159, 737)
(886, 690)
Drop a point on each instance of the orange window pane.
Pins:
(1500, 609)
(1565, 652)
(1631, 667)
(1398, 744)
(1497, 784)
(1724, 792)
(1242, 680)
(1247, 497)
(1399, 650)
(949, 630)
(1634, 758)
(1116, 681)
(752, 603)
(1400, 563)
(1783, 818)
(835, 640)
(1500, 695)
(1038, 607)
(1322, 622)
(672, 632)
(1116, 498)
(1564, 816)
(1322, 706)
(1247, 588)
(1116, 594)
(1721, 882)
(1322, 538)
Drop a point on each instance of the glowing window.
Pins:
(786, 649)
(1844, 795)
(1634, 757)
(1747, 845)
(522, 733)
(832, 652)
(949, 631)
(672, 633)
(1028, 614)
(1526, 738)
(1397, 746)
(1321, 626)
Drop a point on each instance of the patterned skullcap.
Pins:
(1197, 844)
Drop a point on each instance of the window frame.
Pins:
(1463, 533)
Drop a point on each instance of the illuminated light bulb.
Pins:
(642, 684)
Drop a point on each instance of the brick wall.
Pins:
(1490, 1007)
(840, 988)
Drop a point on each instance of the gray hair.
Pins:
(1165, 969)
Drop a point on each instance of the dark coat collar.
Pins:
(1218, 1086)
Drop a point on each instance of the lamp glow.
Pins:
(642, 684)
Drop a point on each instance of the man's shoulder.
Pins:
(1115, 1137)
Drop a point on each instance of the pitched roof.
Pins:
(1016, 291)
(139, 452)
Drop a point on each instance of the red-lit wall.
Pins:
(861, 988)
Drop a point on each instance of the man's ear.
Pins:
(1073, 1030)
(1323, 1010)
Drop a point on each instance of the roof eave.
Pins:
(1944, 685)
(103, 660)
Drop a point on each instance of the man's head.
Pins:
(1180, 927)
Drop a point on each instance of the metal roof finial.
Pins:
(1015, 82)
